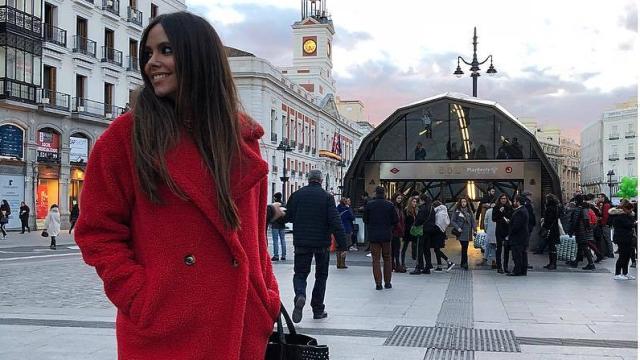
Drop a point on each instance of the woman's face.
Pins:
(160, 67)
(398, 199)
(503, 200)
(463, 203)
(414, 202)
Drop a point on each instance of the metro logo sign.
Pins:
(394, 171)
(508, 170)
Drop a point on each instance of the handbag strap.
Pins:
(292, 329)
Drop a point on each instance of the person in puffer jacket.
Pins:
(438, 242)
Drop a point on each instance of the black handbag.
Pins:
(293, 346)
(44, 233)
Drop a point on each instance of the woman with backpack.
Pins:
(580, 228)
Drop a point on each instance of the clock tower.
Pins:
(312, 41)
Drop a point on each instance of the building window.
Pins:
(80, 86)
(154, 10)
(108, 94)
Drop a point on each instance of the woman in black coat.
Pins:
(580, 228)
(624, 223)
(550, 218)
(5, 211)
(502, 216)
(410, 213)
(24, 217)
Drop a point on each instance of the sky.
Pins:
(560, 62)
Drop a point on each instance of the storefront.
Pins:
(78, 156)
(12, 170)
(48, 179)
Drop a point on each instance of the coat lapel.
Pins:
(190, 174)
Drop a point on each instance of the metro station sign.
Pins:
(472, 170)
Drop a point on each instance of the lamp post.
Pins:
(475, 65)
(284, 147)
(341, 164)
(611, 174)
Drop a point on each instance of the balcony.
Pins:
(274, 169)
(274, 138)
(20, 21)
(111, 111)
(17, 91)
(300, 147)
(84, 46)
(629, 134)
(630, 156)
(54, 100)
(134, 16)
(55, 35)
(112, 56)
(112, 6)
(132, 64)
(87, 107)
(307, 149)
(614, 136)
(614, 157)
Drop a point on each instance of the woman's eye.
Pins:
(166, 50)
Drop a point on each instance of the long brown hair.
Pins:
(206, 105)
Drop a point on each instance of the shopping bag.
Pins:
(293, 346)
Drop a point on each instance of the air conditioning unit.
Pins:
(80, 108)
(46, 101)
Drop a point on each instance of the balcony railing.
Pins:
(630, 156)
(111, 56)
(630, 134)
(84, 46)
(13, 17)
(55, 35)
(614, 136)
(614, 157)
(112, 111)
(55, 100)
(134, 16)
(112, 6)
(274, 138)
(88, 107)
(132, 64)
(18, 91)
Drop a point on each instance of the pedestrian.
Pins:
(184, 158)
(410, 212)
(52, 224)
(5, 211)
(624, 225)
(551, 233)
(419, 152)
(74, 215)
(490, 242)
(519, 236)
(278, 228)
(606, 246)
(532, 222)
(426, 219)
(485, 203)
(398, 233)
(580, 228)
(380, 218)
(24, 217)
(464, 225)
(501, 215)
(594, 218)
(440, 235)
(314, 216)
(346, 217)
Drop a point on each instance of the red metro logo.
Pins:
(508, 169)
(394, 171)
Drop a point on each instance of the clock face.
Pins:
(309, 46)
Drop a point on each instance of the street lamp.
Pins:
(342, 165)
(475, 65)
(284, 147)
(611, 174)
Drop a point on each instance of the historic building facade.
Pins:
(67, 70)
(610, 145)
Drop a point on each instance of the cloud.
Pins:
(348, 39)
(629, 20)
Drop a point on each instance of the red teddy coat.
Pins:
(185, 286)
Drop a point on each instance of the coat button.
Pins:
(189, 260)
(235, 263)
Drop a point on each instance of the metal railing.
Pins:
(630, 156)
(132, 63)
(613, 157)
(88, 107)
(614, 136)
(18, 91)
(134, 16)
(630, 134)
(112, 6)
(52, 99)
(14, 17)
(274, 138)
(84, 46)
(55, 35)
(111, 56)
(112, 111)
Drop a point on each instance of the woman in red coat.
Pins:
(173, 214)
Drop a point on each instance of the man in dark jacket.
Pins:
(519, 236)
(314, 216)
(580, 228)
(380, 217)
